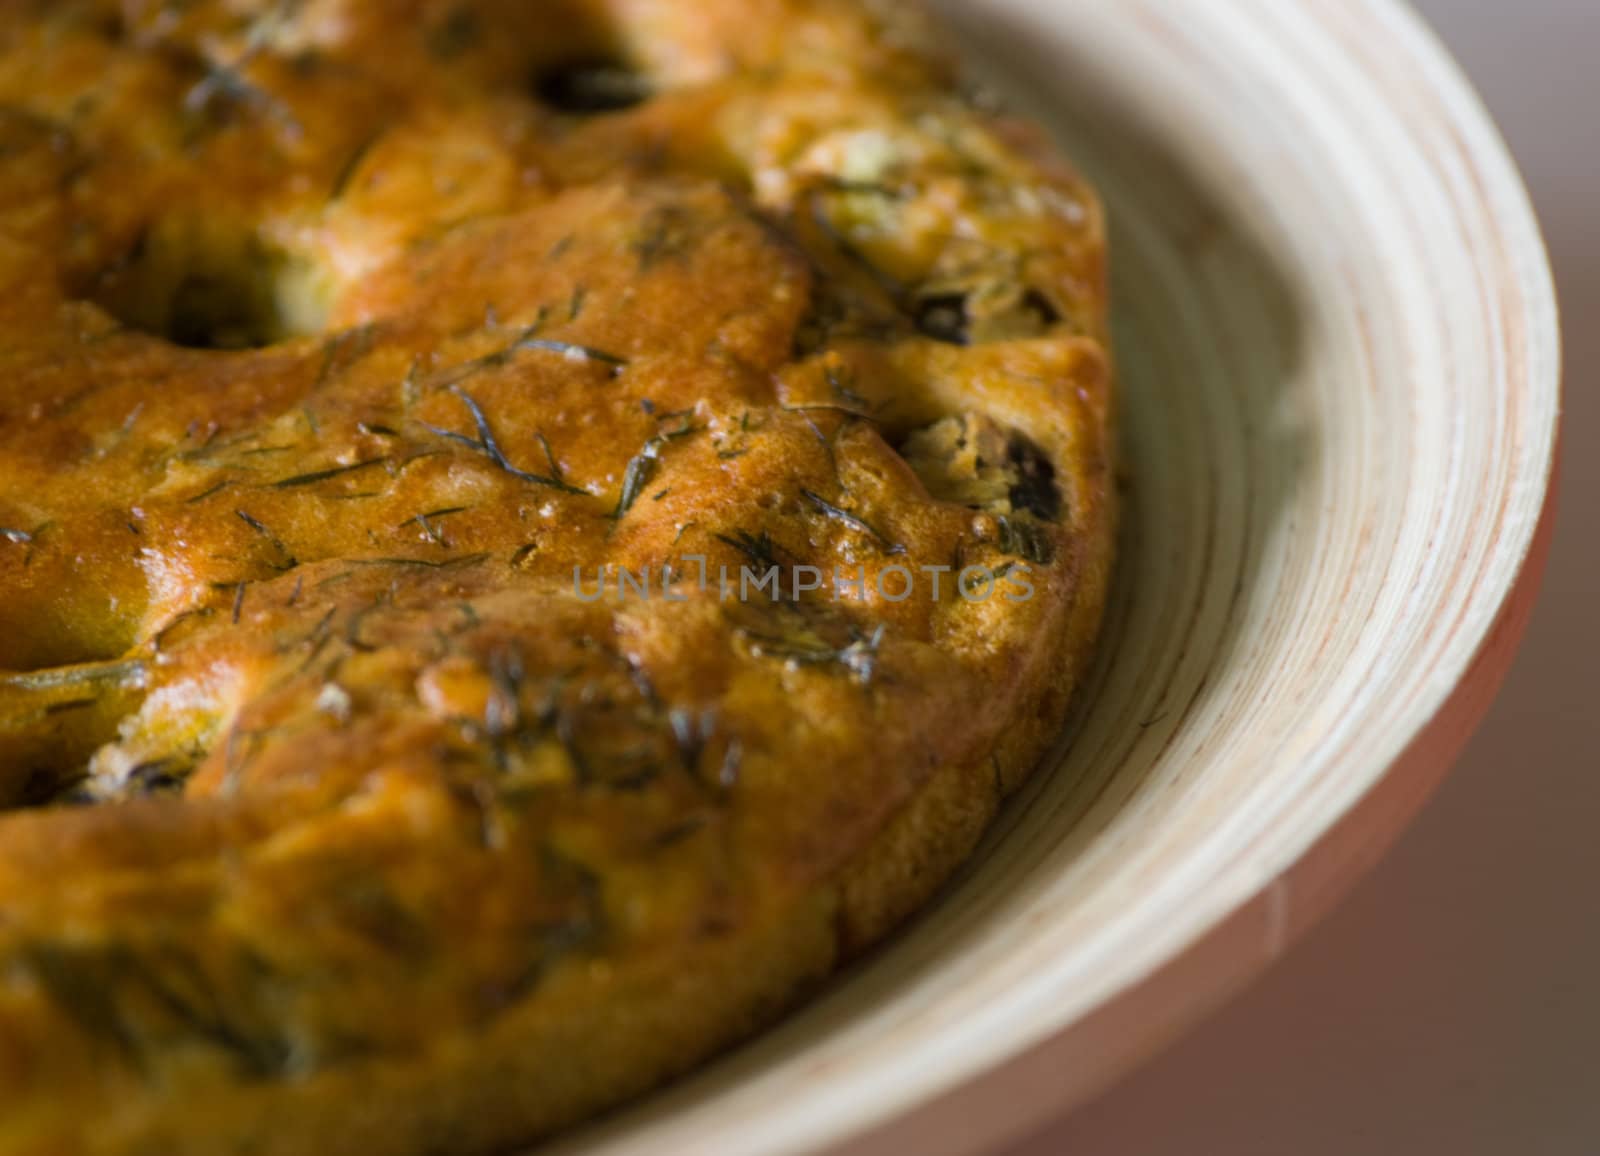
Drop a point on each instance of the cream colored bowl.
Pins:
(1339, 359)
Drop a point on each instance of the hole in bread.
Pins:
(592, 86)
(944, 318)
(952, 318)
(973, 460)
(51, 721)
(213, 284)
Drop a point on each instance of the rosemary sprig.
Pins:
(641, 472)
(352, 165)
(1027, 540)
(289, 562)
(127, 673)
(427, 522)
(204, 494)
(841, 382)
(464, 562)
(572, 351)
(860, 657)
(89, 983)
(338, 352)
(226, 82)
(760, 549)
(300, 481)
(486, 444)
(843, 411)
(527, 339)
(159, 639)
(550, 456)
(846, 518)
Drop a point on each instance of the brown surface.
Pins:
(333, 345)
(1450, 1006)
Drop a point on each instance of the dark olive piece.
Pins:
(1036, 490)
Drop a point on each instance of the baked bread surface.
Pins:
(347, 348)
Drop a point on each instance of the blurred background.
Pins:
(1452, 1004)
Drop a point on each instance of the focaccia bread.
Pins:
(530, 530)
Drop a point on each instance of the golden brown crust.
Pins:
(343, 340)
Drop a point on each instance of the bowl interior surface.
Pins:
(1338, 363)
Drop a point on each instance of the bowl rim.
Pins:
(995, 1102)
